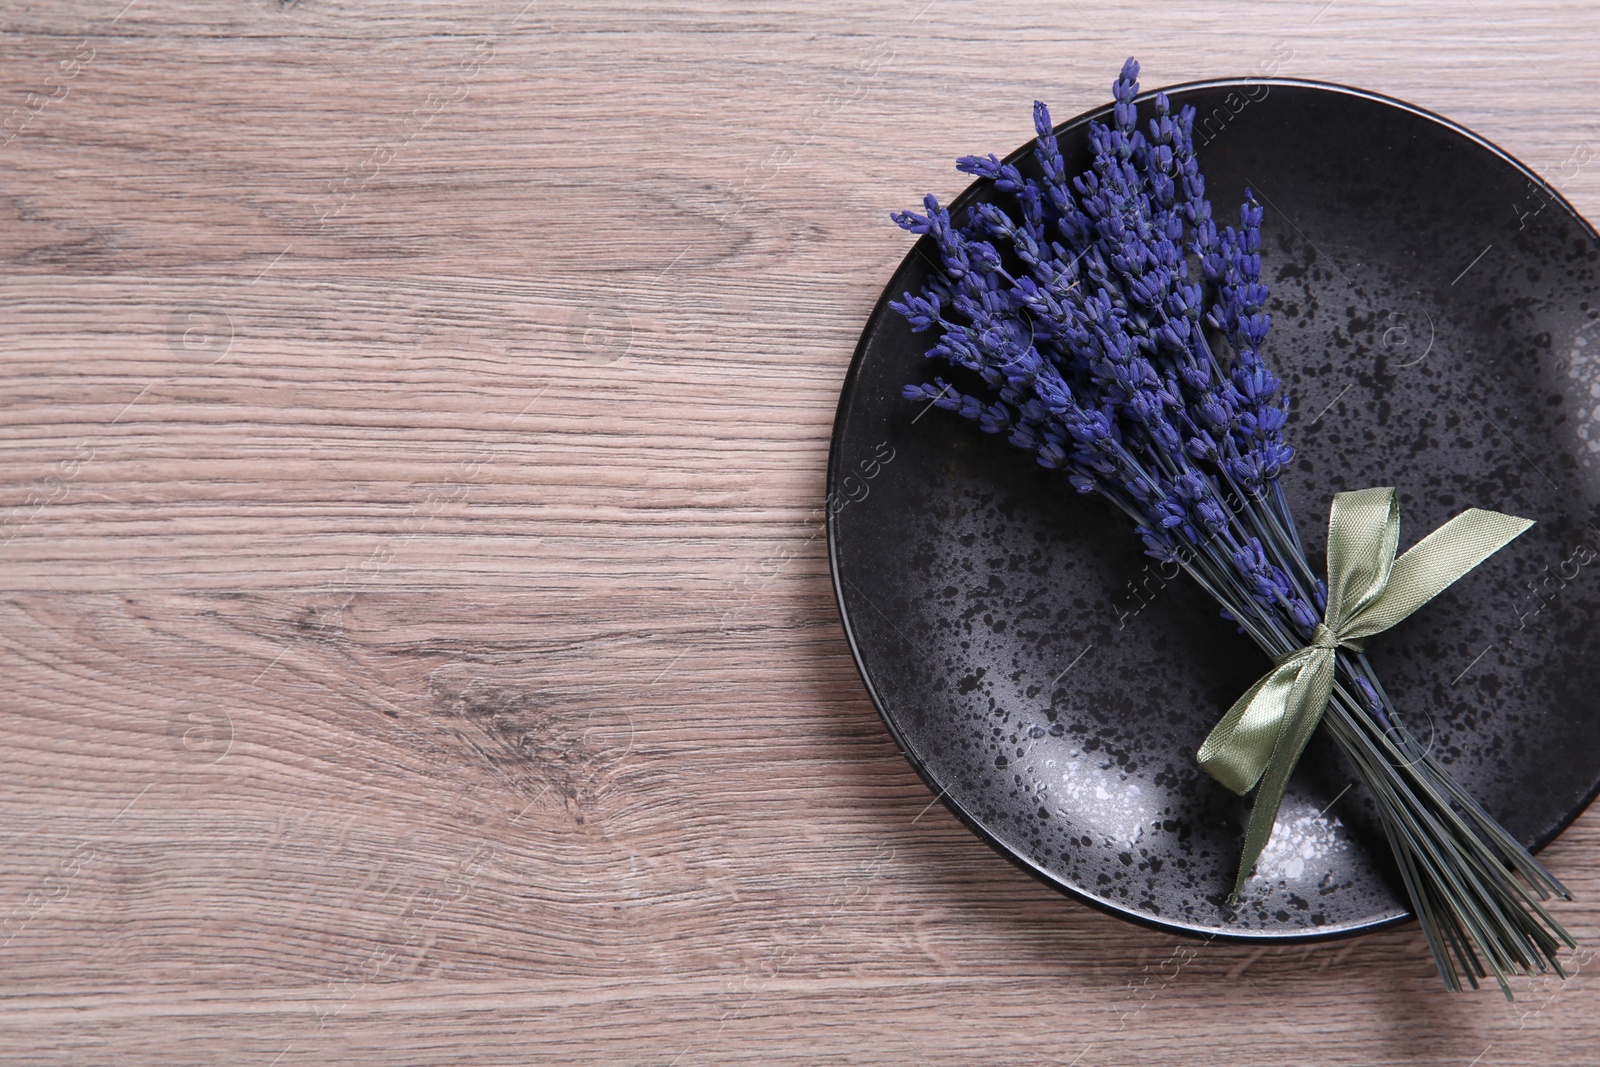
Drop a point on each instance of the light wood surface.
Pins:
(416, 629)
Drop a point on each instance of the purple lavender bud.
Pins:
(1125, 88)
(1196, 377)
(1255, 382)
(1253, 329)
(1275, 456)
(1190, 486)
(1250, 215)
(910, 220)
(1249, 557)
(981, 166)
(1162, 128)
(983, 256)
(1090, 427)
(921, 312)
(1201, 446)
(995, 418)
(1269, 421)
(1217, 415)
(1247, 470)
(1141, 407)
(1054, 395)
(947, 399)
(1095, 462)
(1166, 437)
(1212, 515)
(1158, 544)
(1041, 119)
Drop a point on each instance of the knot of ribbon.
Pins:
(1261, 737)
(1324, 637)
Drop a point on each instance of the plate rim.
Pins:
(846, 394)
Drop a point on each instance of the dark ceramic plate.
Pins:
(1436, 319)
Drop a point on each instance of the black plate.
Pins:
(1436, 319)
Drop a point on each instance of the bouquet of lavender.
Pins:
(1104, 323)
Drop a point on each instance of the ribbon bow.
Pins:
(1261, 737)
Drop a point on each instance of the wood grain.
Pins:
(416, 624)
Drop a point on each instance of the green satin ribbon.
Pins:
(1261, 737)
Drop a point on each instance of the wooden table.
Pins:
(418, 639)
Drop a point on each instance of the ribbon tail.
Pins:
(1237, 749)
(1303, 710)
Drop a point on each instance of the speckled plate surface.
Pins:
(1436, 318)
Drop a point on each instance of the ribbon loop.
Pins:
(1261, 737)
